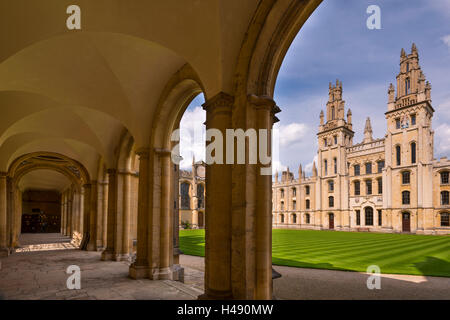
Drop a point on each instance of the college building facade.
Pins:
(392, 184)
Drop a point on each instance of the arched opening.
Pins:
(406, 221)
(331, 221)
(368, 212)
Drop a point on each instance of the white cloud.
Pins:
(442, 139)
(309, 166)
(446, 40)
(192, 136)
(292, 133)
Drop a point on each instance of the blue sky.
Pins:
(336, 44)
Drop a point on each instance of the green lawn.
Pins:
(353, 251)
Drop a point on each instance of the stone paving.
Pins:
(39, 272)
(316, 284)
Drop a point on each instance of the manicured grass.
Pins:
(352, 251)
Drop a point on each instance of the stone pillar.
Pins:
(109, 252)
(69, 220)
(17, 218)
(86, 215)
(63, 213)
(166, 239)
(92, 239)
(102, 206)
(105, 214)
(140, 268)
(3, 215)
(11, 206)
(218, 207)
(126, 216)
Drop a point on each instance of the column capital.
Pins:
(87, 185)
(143, 152)
(112, 171)
(265, 102)
(126, 173)
(163, 152)
(221, 102)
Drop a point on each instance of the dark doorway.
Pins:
(406, 222)
(41, 211)
(201, 220)
(331, 221)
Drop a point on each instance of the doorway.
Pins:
(406, 222)
(331, 221)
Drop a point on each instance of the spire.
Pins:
(314, 169)
(391, 93)
(321, 117)
(414, 49)
(349, 116)
(276, 176)
(368, 131)
(402, 53)
(300, 171)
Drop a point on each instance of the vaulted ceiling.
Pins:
(76, 92)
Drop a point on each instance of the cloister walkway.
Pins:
(39, 272)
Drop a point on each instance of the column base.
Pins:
(122, 257)
(4, 252)
(139, 272)
(91, 247)
(108, 256)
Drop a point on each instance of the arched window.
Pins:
(368, 187)
(356, 169)
(331, 202)
(406, 177)
(330, 186)
(294, 192)
(406, 199)
(398, 152)
(185, 198)
(380, 185)
(307, 190)
(407, 86)
(368, 211)
(444, 198)
(308, 218)
(444, 177)
(368, 167)
(294, 205)
(413, 152)
(308, 204)
(357, 188)
(335, 165)
(325, 167)
(282, 206)
(294, 218)
(201, 195)
(332, 113)
(445, 219)
(282, 193)
(358, 218)
(282, 218)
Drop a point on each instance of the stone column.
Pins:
(126, 216)
(92, 239)
(166, 239)
(101, 215)
(218, 206)
(140, 268)
(63, 213)
(105, 214)
(109, 252)
(3, 215)
(86, 215)
(11, 206)
(17, 218)
(69, 214)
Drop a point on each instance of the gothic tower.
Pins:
(334, 136)
(409, 143)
